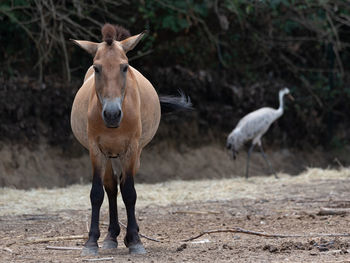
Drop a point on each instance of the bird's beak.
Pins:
(291, 97)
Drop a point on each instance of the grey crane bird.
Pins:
(252, 127)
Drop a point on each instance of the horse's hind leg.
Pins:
(96, 198)
(111, 187)
(132, 238)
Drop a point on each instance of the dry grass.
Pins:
(76, 197)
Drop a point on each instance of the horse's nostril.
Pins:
(112, 116)
(228, 146)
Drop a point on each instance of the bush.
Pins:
(303, 43)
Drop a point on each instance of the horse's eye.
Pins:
(124, 68)
(97, 70)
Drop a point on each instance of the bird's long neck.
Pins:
(280, 108)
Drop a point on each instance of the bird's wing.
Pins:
(256, 122)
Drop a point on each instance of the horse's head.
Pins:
(111, 71)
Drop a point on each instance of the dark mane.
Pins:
(114, 32)
(108, 33)
(122, 33)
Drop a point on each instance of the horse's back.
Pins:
(80, 109)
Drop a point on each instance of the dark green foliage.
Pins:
(304, 44)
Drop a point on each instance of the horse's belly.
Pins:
(150, 114)
(79, 115)
(150, 110)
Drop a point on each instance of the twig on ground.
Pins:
(6, 249)
(142, 235)
(197, 212)
(63, 248)
(97, 259)
(325, 211)
(337, 251)
(48, 239)
(323, 201)
(263, 234)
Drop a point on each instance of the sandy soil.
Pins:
(177, 210)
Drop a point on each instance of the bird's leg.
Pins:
(267, 161)
(248, 159)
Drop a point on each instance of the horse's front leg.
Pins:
(132, 238)
(98, 161)
(111, 186)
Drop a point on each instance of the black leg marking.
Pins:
(114, 229)
(248, 159)
(132, 239)
(96, 198)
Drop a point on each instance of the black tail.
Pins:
(172, 103)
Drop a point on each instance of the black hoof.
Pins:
(109, 244)
(136, 249)
(89, 251)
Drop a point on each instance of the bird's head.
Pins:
(230, 147)
(286, 91)
(233, 144)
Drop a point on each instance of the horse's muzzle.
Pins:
(112, 119)
(112, 113)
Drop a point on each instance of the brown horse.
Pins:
(115, 114)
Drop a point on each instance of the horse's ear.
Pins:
(88, 46)
(129, 43)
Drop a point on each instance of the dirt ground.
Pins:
(23, 167)
(173, 211)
